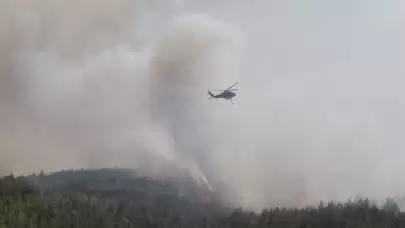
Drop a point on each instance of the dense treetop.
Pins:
(118, 198)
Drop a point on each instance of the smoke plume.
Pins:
(91, 83)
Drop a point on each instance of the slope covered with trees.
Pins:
(117, 198)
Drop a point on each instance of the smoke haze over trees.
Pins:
(120, 198)
(96, 83)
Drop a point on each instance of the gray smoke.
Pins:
(98, 83)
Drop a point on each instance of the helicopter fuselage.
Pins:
(226, 95)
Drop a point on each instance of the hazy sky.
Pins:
(320, 107)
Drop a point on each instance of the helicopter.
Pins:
(226, 94)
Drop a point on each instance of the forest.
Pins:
(121, 199)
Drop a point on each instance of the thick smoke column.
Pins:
(82, 95)
(184, 63)
(93, 83)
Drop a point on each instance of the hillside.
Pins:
(120, 198)
(76, 181)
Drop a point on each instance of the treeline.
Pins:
(23, 204)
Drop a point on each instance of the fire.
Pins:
(300, 203)
(207, 198)
(301, 199)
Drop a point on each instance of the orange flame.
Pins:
(207, 198)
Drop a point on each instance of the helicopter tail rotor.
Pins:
(210, 94)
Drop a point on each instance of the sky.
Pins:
(319, 108)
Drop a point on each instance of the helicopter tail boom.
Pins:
(211, 95)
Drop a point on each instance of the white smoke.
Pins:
(95, 83)
(112, 102)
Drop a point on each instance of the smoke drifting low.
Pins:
(89, 91)
(96, 83)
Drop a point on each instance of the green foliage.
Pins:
(78, 204)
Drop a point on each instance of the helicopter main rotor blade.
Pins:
(227, 90)
(233, 85)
